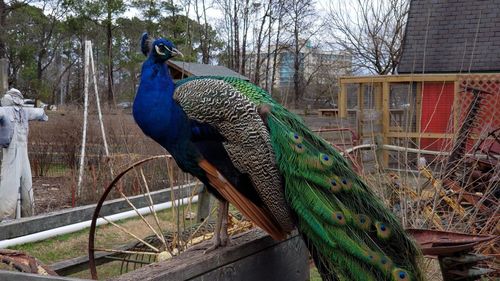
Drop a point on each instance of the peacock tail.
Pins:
(351, 234)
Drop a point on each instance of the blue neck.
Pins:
(155, 111)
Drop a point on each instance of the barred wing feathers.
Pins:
(248, 142)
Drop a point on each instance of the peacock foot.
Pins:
(219, 242)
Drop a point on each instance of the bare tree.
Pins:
(372, 31)
(236, 24)
(279, 9)
(269, 84)
(204, 45)
(231, 28)
(301, 16)
(49, 39)
(246, 24)
(261, 34)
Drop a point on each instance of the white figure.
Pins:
(15, 175)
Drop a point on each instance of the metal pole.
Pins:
(85, 115)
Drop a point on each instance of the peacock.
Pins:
(252, 152)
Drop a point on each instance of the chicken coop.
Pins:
(436, 112)
(443, 128)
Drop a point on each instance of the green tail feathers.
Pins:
(353, 234)
(343, 218)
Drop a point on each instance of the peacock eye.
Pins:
(400, 274)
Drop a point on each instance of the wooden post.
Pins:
(418, 109)
(203, 205)
(384, 155)
(360, 112)
(456, 106)
(378, 99)
(4, 75)
(343, 100)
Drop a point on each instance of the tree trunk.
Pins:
(208, 42)
(276, 47)
(296, 67)
(245, 35)
(236, 46)
(259, 49)
(268, 61)
(39, 72)
(3, 19)
(204, 36)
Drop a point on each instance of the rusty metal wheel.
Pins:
(154, 245)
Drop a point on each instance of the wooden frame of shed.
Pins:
(427, 109)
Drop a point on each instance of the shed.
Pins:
(451, 37)
(457, 36)
(180, 69)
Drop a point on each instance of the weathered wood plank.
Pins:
(435, 77)
(78, 264)
(251, 256)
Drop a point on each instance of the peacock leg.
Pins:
(221, 237)
(224, 236)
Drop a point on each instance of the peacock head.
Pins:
(163, 49)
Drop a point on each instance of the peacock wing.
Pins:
(248, 141)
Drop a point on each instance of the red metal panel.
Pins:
(437, 104)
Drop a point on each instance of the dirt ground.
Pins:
(51, 194)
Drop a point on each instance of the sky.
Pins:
(321, 6)
(215, 14)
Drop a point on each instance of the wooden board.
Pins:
(328, 112)
(251, 256)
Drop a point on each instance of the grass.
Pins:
(58, 170)
(107, 236)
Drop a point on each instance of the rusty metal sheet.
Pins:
(435, 242)
(22, 262)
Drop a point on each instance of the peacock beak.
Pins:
(176, 52)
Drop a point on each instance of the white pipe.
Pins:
(82, 225)
(362, 146)
(404, 149)
(414, 150)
